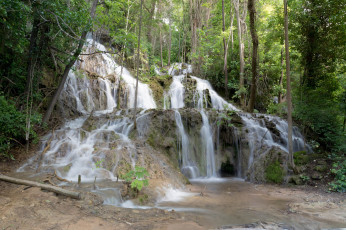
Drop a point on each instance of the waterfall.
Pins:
(259, 136)
(188, 167)
(80, 143)
(79, 89)
(176, 91)
(208, 146)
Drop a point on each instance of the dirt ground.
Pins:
(23, 207)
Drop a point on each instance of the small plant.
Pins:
(301, 158)
(275, 173)
(339, 183)
(137, 178)
(304, 178)
(98, 164)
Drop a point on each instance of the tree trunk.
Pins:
(31, 55)
(57, 190)
(252, 11)
(282, 75)
(288, 94)
(169, 42)
(225, 50)
(161, 46)
(124, 51)
(150, 21)
(241, 55)
(138, 49)
(67, 68)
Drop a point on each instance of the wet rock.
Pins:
(321, 168)
(316, 176)
(207, 102)
(190, 90)
(257, 171)
(296, 179)
(259, 225)
(300, 169)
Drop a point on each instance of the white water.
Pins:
(258, 134)
(79, 88)
(176, 92)
(208, 146)
(218, 102)
(188, 166)
(75, 151)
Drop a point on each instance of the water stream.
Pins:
(99, 133)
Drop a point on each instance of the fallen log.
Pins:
(55, 189)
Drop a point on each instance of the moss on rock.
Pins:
(275, 173)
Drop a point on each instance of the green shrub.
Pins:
(301, 158)
(13, 126)
(137, 178)
(339, 183)
(275, 173)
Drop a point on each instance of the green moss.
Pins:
(321, 168)
(151, 139)
(301, 158)
(67, 168)
(143, 199)
(275, 173)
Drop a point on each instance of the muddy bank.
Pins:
(223, 205)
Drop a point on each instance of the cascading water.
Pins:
(257, 132)
(176, 93)
(93, 145)
(103, 99)
(188, 167)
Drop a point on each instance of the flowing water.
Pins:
(99, 93)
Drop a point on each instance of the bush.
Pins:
(339, 183)
(275, 173)
(301, 158)
(13, 126)
(137, 178)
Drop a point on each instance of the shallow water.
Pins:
(225, 202)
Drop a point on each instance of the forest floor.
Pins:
(23, 207)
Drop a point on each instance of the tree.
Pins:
(241, 55)
(68, 67)
(252, 11)
(225, 49)
(288, 85)
(138, 50)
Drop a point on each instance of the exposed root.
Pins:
(60, 178)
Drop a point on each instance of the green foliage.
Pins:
(339, 170)
(98, 164)
(12, 126)
(226, 118)
(274, 173)
(277, 109)
(301, 158)
(137, 178)
(305, 178)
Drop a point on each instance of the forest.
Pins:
(282, 59)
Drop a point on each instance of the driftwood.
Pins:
(55, 189)
(60, 178)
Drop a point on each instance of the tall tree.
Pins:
(241, 54)
(138, 50)
(225, 49)
(252, 11)
(68, 67)
(288, 96)
(169, 41)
